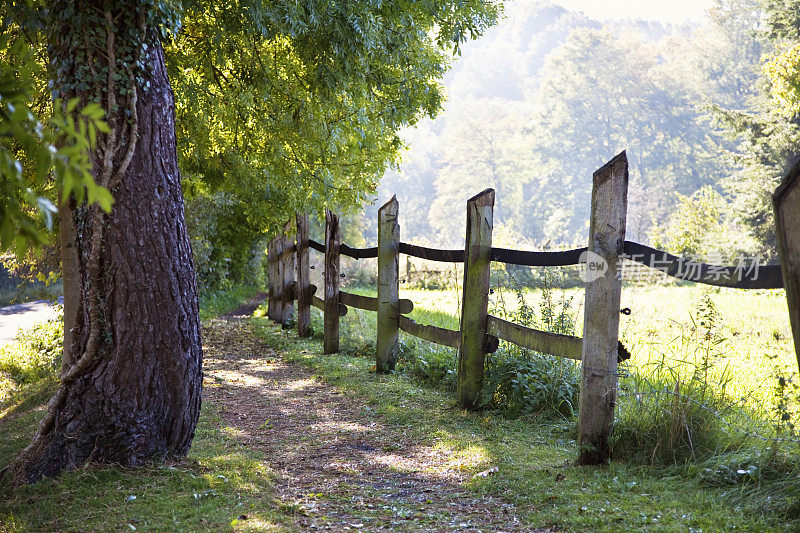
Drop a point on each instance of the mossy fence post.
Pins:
(330, 342)
(786, 202)
(303, 285)
(275, 279)
(387, 345)
(598, 395)
(475, 300)
(270, 279)
(287, 260)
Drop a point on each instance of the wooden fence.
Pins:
(599, 350)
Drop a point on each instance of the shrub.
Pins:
(36, 354)
(228, 248)
(522, 382)
(529, 383)
(429, 364)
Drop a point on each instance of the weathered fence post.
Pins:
(303, 285)
(279, 244)
(475, 301)
(287, 271)
(270, 280)
(330, 343)
(786, 202)
(601, 310)
(274, 279)
(387, 345)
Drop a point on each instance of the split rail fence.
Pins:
(599, 350)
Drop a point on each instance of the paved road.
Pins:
(22, 316)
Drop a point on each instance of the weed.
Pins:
(518, 381)
(35, 354)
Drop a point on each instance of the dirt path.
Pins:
(339, 466)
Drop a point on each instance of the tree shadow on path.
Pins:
(338, 464)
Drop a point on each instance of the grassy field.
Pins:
(682, 339)
(749, 340)
(710, 391)
(534, 457)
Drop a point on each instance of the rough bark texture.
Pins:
(139, 397)
(70, 276)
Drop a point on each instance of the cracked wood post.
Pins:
(303, 286)
(786, 203)
(272, 289)
(598, 395)
(387, 345)
(475, 301)
(288, 269)
(330, 342)
(278, 278)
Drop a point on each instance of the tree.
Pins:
(130, 387)
(30, 150)
(769, 130)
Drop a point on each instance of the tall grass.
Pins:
(711, 390)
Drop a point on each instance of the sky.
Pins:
(672, 11)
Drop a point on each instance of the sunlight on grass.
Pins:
(752, 326)
(534, 460)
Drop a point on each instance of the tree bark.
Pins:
(131, 388)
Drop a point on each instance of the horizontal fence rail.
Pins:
(432, 254)
(540, 259)
(750, 276)
(536, 340)
(445, 337)
(370, 303)
(479, 332)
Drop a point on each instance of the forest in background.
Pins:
(549, 95)
(707, 112)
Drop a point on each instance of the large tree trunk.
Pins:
(132, 377)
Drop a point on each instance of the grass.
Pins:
(752, 331)
(534, 458)
(710, 394)
(745, 484)
(221, 302)
(220, 486)
(34, 355)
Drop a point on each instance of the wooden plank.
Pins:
(319, 303)
(370, 303)
(388, 345)
(303, 287)
(533, 339)
(445, 337)
(601, 311)
(288, 269)
(330, 342)
(786, 203)
(475, 300)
